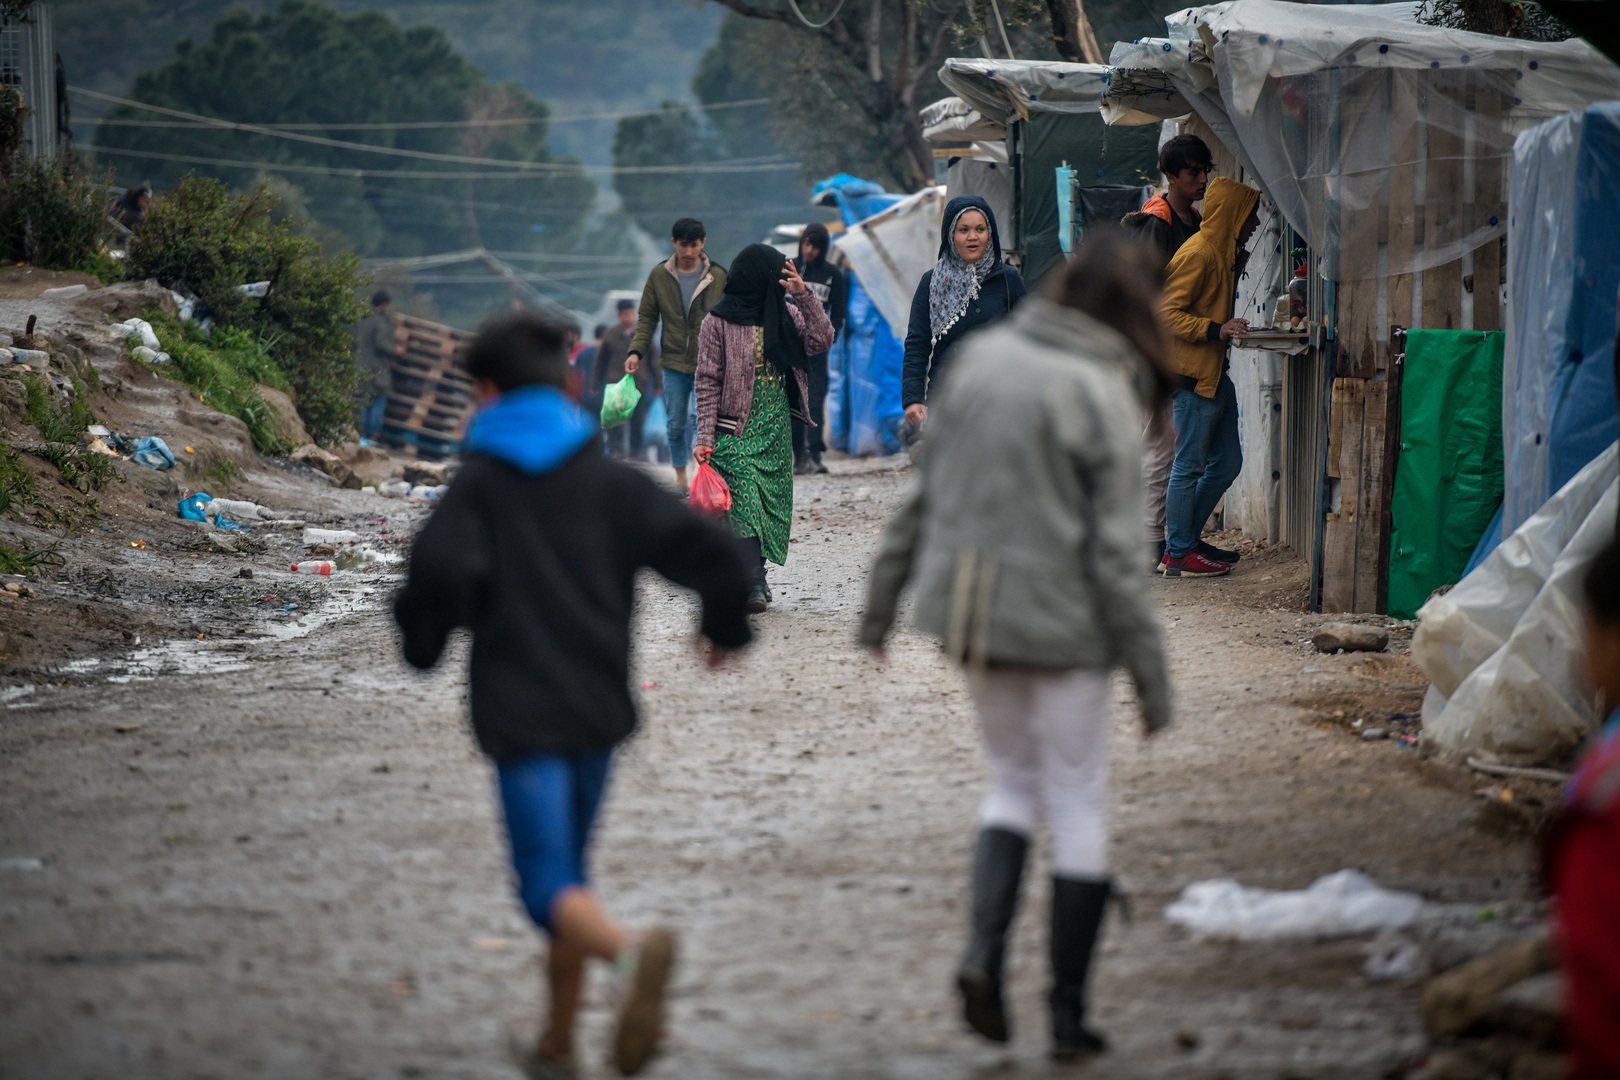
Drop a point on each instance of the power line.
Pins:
(551, 168)
(411, 125)
(816, 26)
(748, 165)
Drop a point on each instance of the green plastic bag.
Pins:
(619, 401)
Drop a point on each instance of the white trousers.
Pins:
(1158, 455)
(1046, 738)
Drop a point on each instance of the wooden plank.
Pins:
(1339, 537)
(1489, 205)
(1403, 129)
(1356, 329)
(1444, 213)
(1392, 461)
(1370, 494)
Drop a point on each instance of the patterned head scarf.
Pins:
(956, 282)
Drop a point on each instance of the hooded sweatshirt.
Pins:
(999, 292)
(535, 549)
(1200, 286)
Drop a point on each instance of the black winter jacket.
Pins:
(542, 570)
(999, 293)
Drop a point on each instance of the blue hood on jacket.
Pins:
(534, 428)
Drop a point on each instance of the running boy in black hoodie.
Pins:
(535, 548)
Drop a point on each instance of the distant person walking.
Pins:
(1164, 223)
(1200, 289)
(753, 351)
(968, 287)
(679, 293)
(1021, 535)
(613, 362)
(375, 352)
(535, 549)
(827, 282)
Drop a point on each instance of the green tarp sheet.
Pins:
(1448, 481)
(1099, 154)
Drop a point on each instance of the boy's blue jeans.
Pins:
(678, 402)
(550, 803)
(1209, 456)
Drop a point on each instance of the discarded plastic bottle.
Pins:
(324, 569)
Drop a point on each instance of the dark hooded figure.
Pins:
(753, 350)
(968, 287)
(827, 282)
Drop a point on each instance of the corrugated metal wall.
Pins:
(28, 61)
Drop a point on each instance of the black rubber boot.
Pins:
(1077, 914)
(998, 868)
(759, 594)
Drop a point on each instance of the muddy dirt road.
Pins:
(275, 853)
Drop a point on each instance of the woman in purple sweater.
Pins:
(751, 384)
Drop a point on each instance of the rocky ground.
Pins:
(238, 837)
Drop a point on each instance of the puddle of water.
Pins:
(190, 657)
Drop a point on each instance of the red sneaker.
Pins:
(1193, 564)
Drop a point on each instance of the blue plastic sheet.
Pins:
(195, 508)
(1558, 390)
(154, 453)
(863, 367)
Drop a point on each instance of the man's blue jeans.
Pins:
(1209, 457)
(371, 416)
(678, 402)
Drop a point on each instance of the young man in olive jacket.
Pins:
(535, 549)
(679, 293)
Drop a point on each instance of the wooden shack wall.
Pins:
(1432, 189)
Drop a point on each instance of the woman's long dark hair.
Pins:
(1116, 281)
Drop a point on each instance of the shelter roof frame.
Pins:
(1323, 113)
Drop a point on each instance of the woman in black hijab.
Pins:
(968, 287)
(750, 385)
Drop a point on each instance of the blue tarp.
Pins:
(1558, 390)
(863, 369)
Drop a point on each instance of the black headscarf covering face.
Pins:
(754, 296)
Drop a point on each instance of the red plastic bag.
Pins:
(710, 494)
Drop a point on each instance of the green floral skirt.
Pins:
(758, 465)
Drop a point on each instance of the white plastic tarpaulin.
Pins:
(1318, 104)
(891, 250)
(1501, 647)
(952, 120)
(1008, 90)
(1558, 393)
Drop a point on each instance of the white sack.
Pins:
(1503, 645)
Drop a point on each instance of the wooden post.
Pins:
(1344, 462)
(1490, 209)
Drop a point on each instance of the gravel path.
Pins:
(279, 855)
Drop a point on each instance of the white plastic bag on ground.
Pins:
(240, 510)
(1500, 647)
(313, 536)
(1343, 903)
(139, 331)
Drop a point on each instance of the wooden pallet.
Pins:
(427, 444)
(432, 395)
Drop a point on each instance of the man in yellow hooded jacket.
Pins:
(1200, 290)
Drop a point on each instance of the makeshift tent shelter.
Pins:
(891, 250)
(1558, 408)
(863, 366)
(1385, 146)
(1049, 115)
